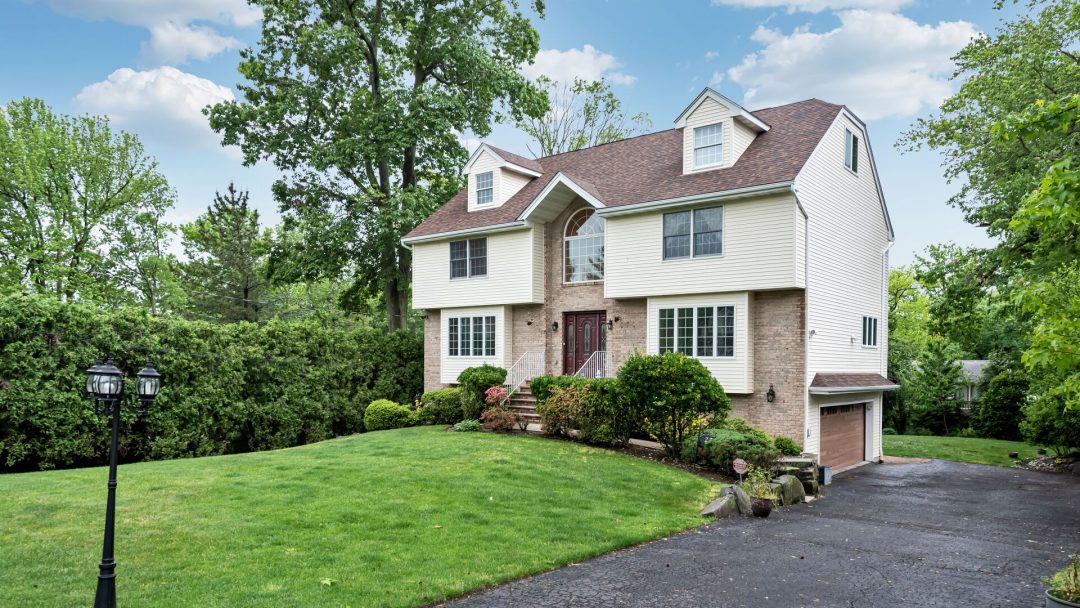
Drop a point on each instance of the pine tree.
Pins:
(937, 378)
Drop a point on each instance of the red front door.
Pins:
(583, 334)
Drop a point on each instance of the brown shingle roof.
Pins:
(843, 380)
(649, 168)
(518, 159)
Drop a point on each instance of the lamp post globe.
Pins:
(148, 383)
(104, 380)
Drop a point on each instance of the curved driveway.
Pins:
(911, 535)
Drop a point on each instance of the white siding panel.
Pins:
(451, 367)
(514, 275)
(484, 163)
(742, 137)
(511, 183)
(759, 253)
(800, 248)
(847, 275)
(735, 374)
(813, 422)
(708, 113)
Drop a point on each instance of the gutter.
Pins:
(773, 188)
(440, 236)
(838, 390)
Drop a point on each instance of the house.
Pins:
(973, 374)
(755, 241)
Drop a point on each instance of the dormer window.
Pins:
(851, 151)
(708, 145)
(485, 188)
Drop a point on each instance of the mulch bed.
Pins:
(1049, 464)
(661, 457)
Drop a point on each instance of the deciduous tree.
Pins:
(583, 113)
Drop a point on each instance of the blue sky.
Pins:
(151, 64)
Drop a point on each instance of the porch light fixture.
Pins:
(770, 396)
(554, 326)
(610, 324)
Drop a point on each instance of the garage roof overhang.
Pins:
(838, 384)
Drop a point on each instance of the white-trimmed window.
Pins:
(851, 151)
(468, 258)
(583, 247)
(869, 331)
(708, 145)
(485, 187)
(694, 233)
(470, 336)
(697, 331)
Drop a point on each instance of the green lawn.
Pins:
(392, 518)
(960, 449)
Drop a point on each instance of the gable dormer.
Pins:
(716, 131)
(495, 175)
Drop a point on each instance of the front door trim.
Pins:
(572, 338)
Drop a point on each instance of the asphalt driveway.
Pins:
(912, 535)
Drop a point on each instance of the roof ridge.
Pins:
(608, 143)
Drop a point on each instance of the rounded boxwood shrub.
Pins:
(474, 382)
(384, 414)
(787, 446)
(1047, 422)
(720, 447)
(1001, 406)
(670, 396)
(441, 406)
(468, 426)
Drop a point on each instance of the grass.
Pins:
(392, 518)
(960, 449)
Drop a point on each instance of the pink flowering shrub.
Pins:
(495, 395)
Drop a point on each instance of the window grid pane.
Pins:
(677, 235)
(584, 259)
(466, 337)
(478, 336)
(478, 257)
(452, 339)
(484, 188)
(708, 145)
(459, 254)
(489, 336)
(725, 331)
(667, 330)
(705, 331)
(685, 342)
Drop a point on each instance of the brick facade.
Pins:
(432, 352)
(779, 332)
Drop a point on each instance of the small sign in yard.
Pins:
(740, 467)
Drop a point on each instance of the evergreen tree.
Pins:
(935, 382)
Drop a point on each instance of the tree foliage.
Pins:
(80, 208)
(934, 384)
(361, 103)
(583, 113)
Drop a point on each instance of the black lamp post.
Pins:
(105, 383)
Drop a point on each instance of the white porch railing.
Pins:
(527, 367)
(600, 364)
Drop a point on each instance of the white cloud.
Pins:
(174, 38)
(171, 43)
(162, 104)
(816, 6)
(587, 63)
(710, 55)
(717, 78)
(879, 64)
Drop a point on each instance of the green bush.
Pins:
(670, 396)
(592, 406)
(560, 410)
(474, 381)
(468, 426)
(888, 431)
(1001, 406)
(741, 426)
(227, 388)
(967, 432)
(542, 386)
(721, 448)
(384, 414)
(787, 446)
(1048, 423)
(498, 418)
(441, 406)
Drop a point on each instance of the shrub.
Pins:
(441, 406)
(561, 409)
(592, 406)
(740, 426)
(498, 419)
(496, 396)
(1065, 583)
(966, 432)
(1048, 422)
(888, 431)
(384, 414)
(543, 386)
(468, 426)
(1001, 406)
(474, 382)
(721, 447)
(669, 395)
(787, 446)
(758, 483)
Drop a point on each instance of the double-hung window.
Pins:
(697, 331)
(708, 145)
(468, 258)
(470, 336)
(851, 151)
(694, 233)
(485, 187)
(869, 331)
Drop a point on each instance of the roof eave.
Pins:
(409, 241)
(841, 390)
(760, 190)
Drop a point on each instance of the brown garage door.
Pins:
(843, 436)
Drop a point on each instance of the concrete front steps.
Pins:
(523, 403)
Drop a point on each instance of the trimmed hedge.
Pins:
(722, 446)
(595, 408)
(383, 414)
(227, 388)
(474, 382)
(441, 406)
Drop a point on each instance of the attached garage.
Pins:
(843, 435)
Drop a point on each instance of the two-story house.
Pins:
(756, 242)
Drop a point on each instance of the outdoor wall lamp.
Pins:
(611, 324)
(770, 395)
(554, 326)
(105, 383)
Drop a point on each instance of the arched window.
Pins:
(583, 248)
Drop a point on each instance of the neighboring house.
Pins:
(755, 241)
(973, 373)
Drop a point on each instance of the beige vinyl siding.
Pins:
(800, 247)
(707, 113)
(742, 137)
(484, 163)
(451, 367)
(759, 253)
(512, 181)
(512, 272)
(813, 421)
(735, 374)
(847, 276)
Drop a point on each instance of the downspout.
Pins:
(880, 418)
(806, 315)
